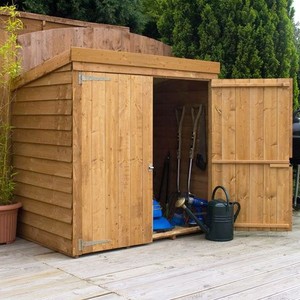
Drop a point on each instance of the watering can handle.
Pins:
(224, 190)
(237, 211)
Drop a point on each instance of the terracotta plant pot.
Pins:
(8, 222)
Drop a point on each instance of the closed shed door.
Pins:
(251, 136)
(116, 142)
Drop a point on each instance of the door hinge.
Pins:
(82, 243)
(82, 77)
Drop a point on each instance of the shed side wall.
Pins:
(42, 157)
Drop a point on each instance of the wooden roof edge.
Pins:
(110, 57)
(42, 69)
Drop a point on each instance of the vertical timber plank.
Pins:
(256, 184)
(98, 162)
(256, 198)
(242, 123)
(87, 200)
(270, 123)
(147, 105)
(124, 160)
(229, 143)
(256, 123)
(136, 123)
(243, 151)
(284, 208)
(111, 149)
(284, 121)
(77, 170)
(270, 152)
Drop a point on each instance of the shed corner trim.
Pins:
(43, 69)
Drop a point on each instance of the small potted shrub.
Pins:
(9, 70)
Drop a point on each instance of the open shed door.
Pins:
(116, 150)
(251, 143)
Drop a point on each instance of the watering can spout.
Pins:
(181, 203)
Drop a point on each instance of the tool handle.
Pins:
(195, 120)
(180, 112)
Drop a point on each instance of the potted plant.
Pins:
(9, 70)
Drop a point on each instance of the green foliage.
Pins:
(247, 63)
(297, 42)
(7, 184)
(165, 21)
(10, 64)
(114, 12)
(152, 11)
(9, 69)
(251, 39)
(185, 36)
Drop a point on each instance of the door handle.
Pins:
(150, 168)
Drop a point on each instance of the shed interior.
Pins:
(170, 95)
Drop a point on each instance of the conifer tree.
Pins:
(251, 39)
(248, 61)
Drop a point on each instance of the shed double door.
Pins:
(249, 150)
(251, 142)
(116, 142)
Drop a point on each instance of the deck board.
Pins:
(254, 265)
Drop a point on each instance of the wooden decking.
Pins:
(255, 265)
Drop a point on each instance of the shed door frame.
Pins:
(251, 143)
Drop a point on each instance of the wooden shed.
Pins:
(89, 123)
